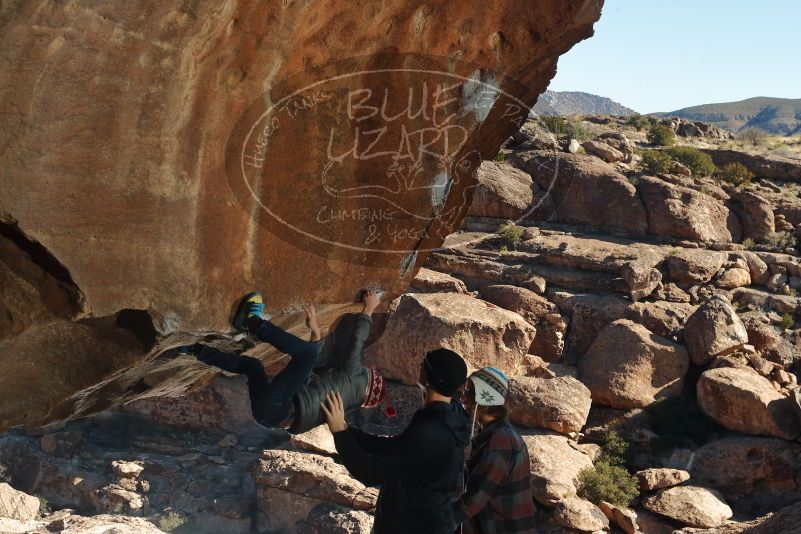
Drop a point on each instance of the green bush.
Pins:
(655, 161)
(786, 322)
(607, 482)
(511, 235)
(614, 448)
(679, 422)
(171, 521)
(44, 506)
(661, 135)
(575, 130)
(781, 240)
(753, 136)
(698, 162)
(500, 156)
(556, 125)
(736, 174)
(564, 127)
(639, 122)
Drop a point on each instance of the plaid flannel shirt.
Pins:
(498, 496)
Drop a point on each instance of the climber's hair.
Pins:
(496, 412)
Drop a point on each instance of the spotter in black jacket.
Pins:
(419, 471)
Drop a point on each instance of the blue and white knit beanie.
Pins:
(491, 386)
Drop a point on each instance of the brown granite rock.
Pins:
(694, 266)
(604, 151)
(742, 400)
(61, 444)
(589, 313)
(734, 278)
(581, 189)
(333, 519)
(755, 214)
(692, 505)
(67, 522)
(684, 213)
(318, 440)
(624, 518)
(548, 342)
(627, 366)
(291, 485)
(75, 354)
(739, 466)
(756, 266)
(529, 305)
(16, 504)
(482, 333)
(771, 166)
(243, 49)
(661, 477)
(503, 192)
(34, 287)
(580, 515)
(428, 281)
(556, 463)
(714, 329)
(660, 317)
(561, 404)
(641, 277)
(655, 523)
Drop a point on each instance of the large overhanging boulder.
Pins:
(170, 158)
(118, 119)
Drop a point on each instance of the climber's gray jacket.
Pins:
(339, 368)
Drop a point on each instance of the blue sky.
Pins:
(653, 55)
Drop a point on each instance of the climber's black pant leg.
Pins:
(284, 386)
(268, 409)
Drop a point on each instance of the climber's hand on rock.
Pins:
(334, 410)
(371, 301)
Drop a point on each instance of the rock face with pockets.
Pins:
(714, 329)
(627, 366)
(502, 192)
(107, 178)
(482, 333)
(742, 466)
(148, 182)
(582, 189)
(555, 466)
(740, 399)
(16, 504)
(683, 212)
(692, 505)
(561, 403)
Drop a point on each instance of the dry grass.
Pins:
(773, 145)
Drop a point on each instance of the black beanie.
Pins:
(445, 370)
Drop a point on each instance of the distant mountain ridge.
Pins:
(780, 116)
(578, 103)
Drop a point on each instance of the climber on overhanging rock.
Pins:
(418, 470)
(291, 400)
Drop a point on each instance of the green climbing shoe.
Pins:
(252, 305)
